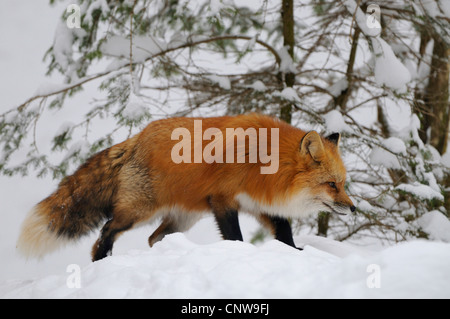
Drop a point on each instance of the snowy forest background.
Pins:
(325, 65)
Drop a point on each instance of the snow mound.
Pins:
(436, 225)
(178, 268)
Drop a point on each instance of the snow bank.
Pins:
(178, 268)
(436, 225)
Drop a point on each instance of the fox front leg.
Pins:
(226, 215)
(280, 228)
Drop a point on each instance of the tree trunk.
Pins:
(434, 110)
(287, 18)
(322, 224)
(433, 105)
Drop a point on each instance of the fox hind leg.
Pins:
(167, 227)
(109, 233)
(172, 223)
(124, 218)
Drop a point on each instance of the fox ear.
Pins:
(335, 138)
(311, 144)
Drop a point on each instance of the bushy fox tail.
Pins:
(79, 205)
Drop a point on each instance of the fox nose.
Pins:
(352, 208)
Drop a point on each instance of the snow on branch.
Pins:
(389, 70)
(147, 48)
(361, 19)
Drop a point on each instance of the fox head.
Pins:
(321, 173)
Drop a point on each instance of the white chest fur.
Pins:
(300, 205)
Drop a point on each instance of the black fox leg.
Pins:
(281, 228)
(228, 223)
(103, 246)
(226, 214)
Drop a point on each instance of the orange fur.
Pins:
(136, 181)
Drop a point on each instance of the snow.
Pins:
(82, 147)
(143, 47)
(366, 206)
(250, 44)
(215, 6)
(135, 108)
(361, 19)
(436, 225)
(64, 128)
(445, 7)
(337, 88)
(287, 64)
(395, 145)
(379, 156)
(98, 4)
(389, 71)
(179, 268)
(434, 8)
(445, 159)
(258, 86)
(289, 94)
(187, 267)
(222, 81)
(424, 68)
(46, 87)
(62, 45)
(413, 130)
(334, 122)
(421, 190)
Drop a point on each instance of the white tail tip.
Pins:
(35, 239)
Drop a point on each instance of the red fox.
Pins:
(138, 181)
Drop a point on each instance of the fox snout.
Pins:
(351, 207)
(343, 203)
(340, 208)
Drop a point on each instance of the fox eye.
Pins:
(332, 185)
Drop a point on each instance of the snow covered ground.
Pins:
(197, 264)
(179, 268)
